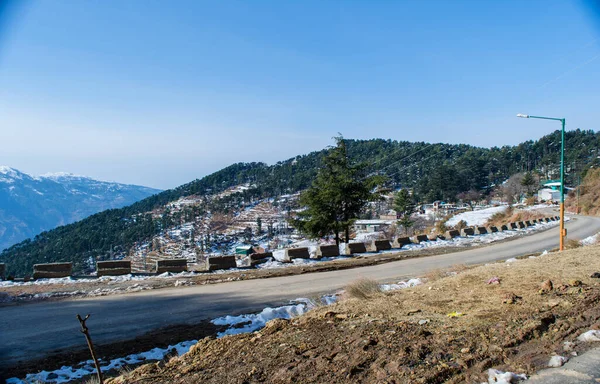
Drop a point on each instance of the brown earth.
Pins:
(515, 325)
(511, 216)
(586, 199)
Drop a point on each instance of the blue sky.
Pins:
(160, 93)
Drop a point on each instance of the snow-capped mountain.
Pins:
(33, 204)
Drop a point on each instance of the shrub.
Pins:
(572, 244)
(363, 289)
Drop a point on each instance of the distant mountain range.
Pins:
(30, 205)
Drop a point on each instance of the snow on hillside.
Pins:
(476, 218)
(32, 204)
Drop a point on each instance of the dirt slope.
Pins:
(514, 325)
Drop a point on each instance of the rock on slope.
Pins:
(30, 205)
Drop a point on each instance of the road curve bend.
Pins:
(33, 331)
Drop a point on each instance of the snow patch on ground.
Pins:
(591, 240)
(589, 336)
(476, 218)
(253, 322)
(499, 377)
(401, 285)
(66, 373)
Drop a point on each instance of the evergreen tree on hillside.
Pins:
(337, 196)
(528, 182)
(404, 207)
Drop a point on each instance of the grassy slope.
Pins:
(510, 326)
(589, 198)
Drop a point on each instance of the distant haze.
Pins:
(160, 93)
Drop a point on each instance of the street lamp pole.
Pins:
(563, 231)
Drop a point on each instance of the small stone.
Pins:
(412, 312)
(575, 283)
(511, 298)
(557, 361)
(465, 350)
(595, 275)
(546, 286)
(423, 322)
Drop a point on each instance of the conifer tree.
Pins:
(404, 207)
(337, 195)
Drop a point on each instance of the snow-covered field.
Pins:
(255, 321)
(476, 218)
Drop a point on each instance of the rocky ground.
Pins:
(511, 316)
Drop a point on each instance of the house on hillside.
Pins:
(372, 225)
(244, 250)
(389, 215)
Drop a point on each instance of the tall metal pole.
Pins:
(563, 231)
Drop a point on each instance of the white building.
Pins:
(548, 194)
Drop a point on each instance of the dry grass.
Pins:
(501, 325)
(573, 243)
(510, 216)
(362, 289)
(468, 293)
(589, 195)
(440, 273)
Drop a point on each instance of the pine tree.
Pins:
(404, 207)
(528, 182)
(338, 194)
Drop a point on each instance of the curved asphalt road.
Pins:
(34, 330)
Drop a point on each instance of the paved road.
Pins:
(583, 369)
(34, 330)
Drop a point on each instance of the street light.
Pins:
(563, 231)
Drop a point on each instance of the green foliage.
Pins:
(528, 182)
(404, 207)
(337, 196)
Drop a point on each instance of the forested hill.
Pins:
(435, 171)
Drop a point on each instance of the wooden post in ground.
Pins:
(84, 330)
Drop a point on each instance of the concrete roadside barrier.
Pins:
(113, 268)
(382, 245)
(401, 241)
(492, 229)
(220, 262)
(259, 258)
(481, 231)
(520, 225)
(419, 239)
(52, 270)
(329, 250)
(171, 265)
(504, 227)
(298, 253)
(514, 226)
(467, 232)
(451, 234)
(355, 248)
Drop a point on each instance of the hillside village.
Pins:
(266, 225)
